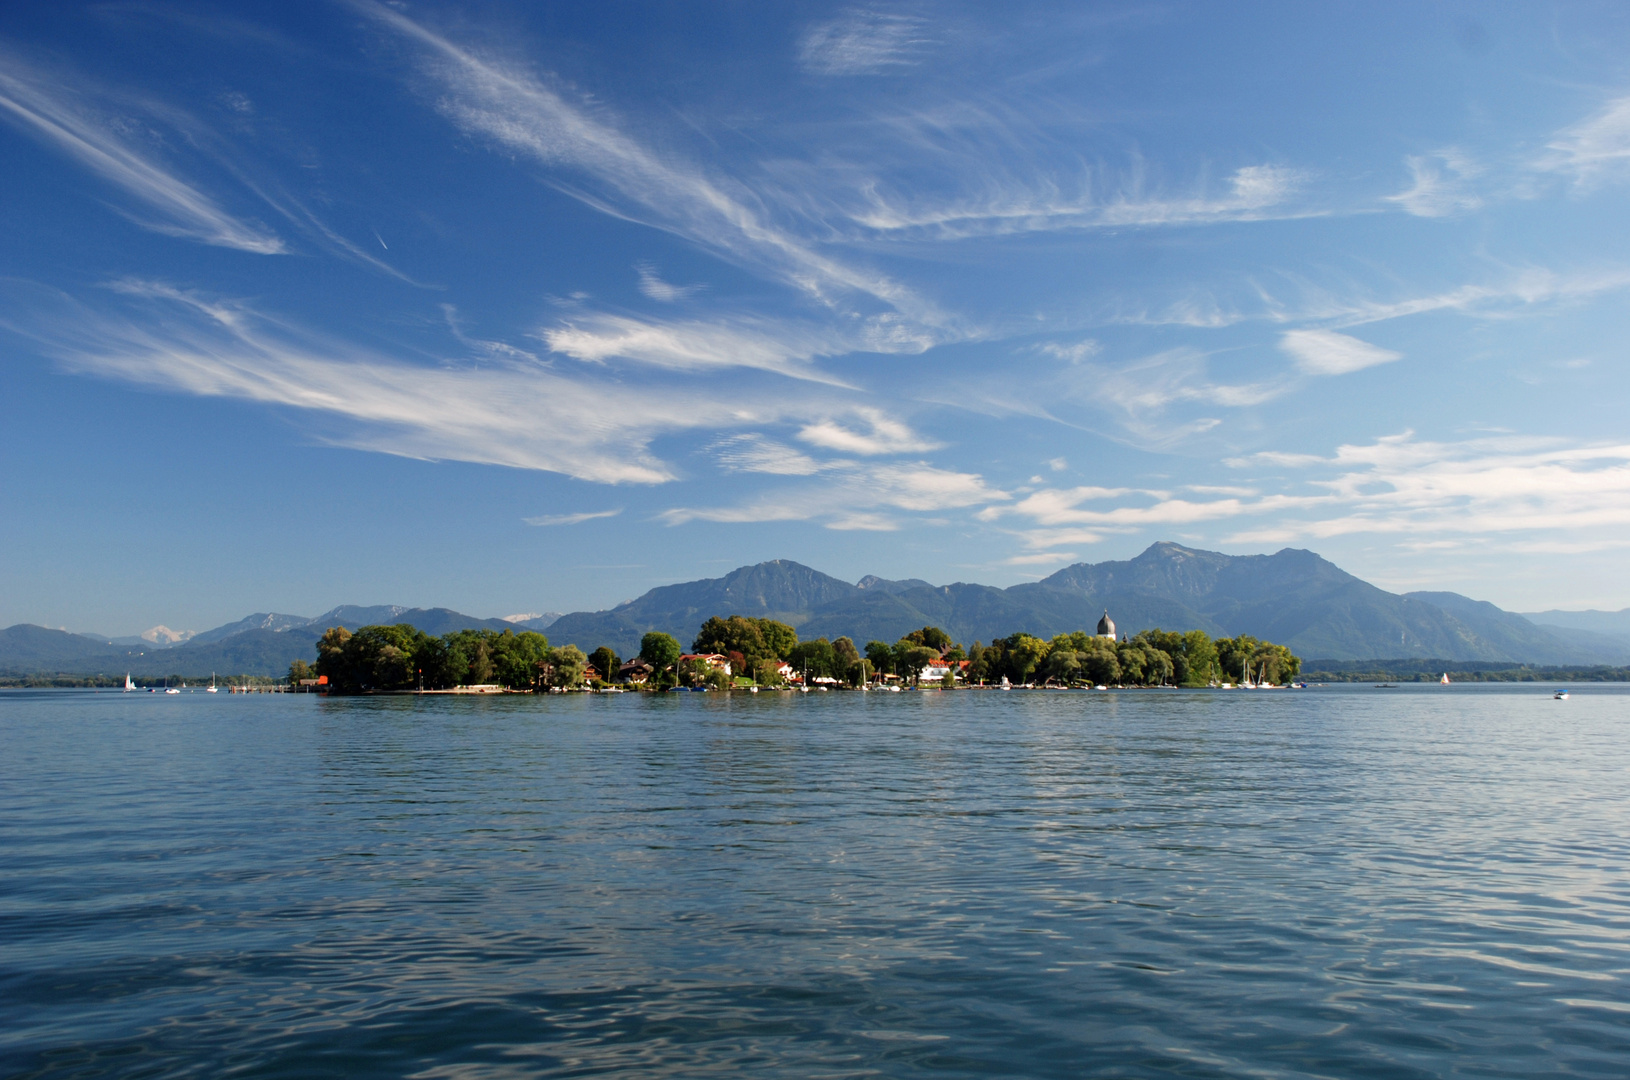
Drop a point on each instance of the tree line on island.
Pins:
(741, 651)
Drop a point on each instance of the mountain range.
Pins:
(1292, 597)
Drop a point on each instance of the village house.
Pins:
(716, 661)
(637, 671)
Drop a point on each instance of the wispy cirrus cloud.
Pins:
(880, 434)
(1489, 486)
(1536, 492)
(784, 347)
(652, 285)
(171, 205)
(519, 110)
(856, 495)
(508, 411)
(1011, 205)
(571, 519)
(1441, 185)
(753, 452)
(1594, 150)
(1325, 352)
(864, 41)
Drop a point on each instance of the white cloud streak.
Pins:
(754, 453)
(1325, 352)
(1441, 185)
(1011, 206)
(1534, 491)
(863, 41)
(570, 519)
(508, 412)
(1596, 149)
(50, 114)
(652, 285)
(883, 435)
(517, 110)
(697, 345)
(856, 496)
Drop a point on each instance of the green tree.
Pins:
(660, 650)
(1063, 664)
(734, 633)
(913, 658)
(481, 662)
(880, 656)
(298, 670)
(331, 661)
(816, 659)
(515, 658)
(1026, 654)
(606, 662)
(976, 663)
(1200, 654)
(1100, 663)
(931, 636)
(1234, 657)
(844, 656)
(779, 638)
(1134, 662)
(567, 663)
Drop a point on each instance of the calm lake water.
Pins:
(1340, 882)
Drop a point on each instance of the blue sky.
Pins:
(516, 308)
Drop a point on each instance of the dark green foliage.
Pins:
(755, 639)
(401, 657)
(660, 650)
(817, 659)
(606, 662)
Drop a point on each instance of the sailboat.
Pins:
(210, 689)
(1245, 676)
(129, 685)
(1445, 680)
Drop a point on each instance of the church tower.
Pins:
(1106, 626)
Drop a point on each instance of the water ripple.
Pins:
(1336, 883)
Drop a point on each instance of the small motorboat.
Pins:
(1560, 695)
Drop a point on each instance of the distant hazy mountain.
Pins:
(1521, 639)
(261, 644)
(538, 622)
(259, 621)
(778, 589)
(1292, 597)
(872, 581)
(1600, 622)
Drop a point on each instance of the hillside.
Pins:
(1292, 597)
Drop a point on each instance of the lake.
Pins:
(1337, 882)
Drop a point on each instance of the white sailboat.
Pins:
(211, 689)
(1445, 680)
(129, 685)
